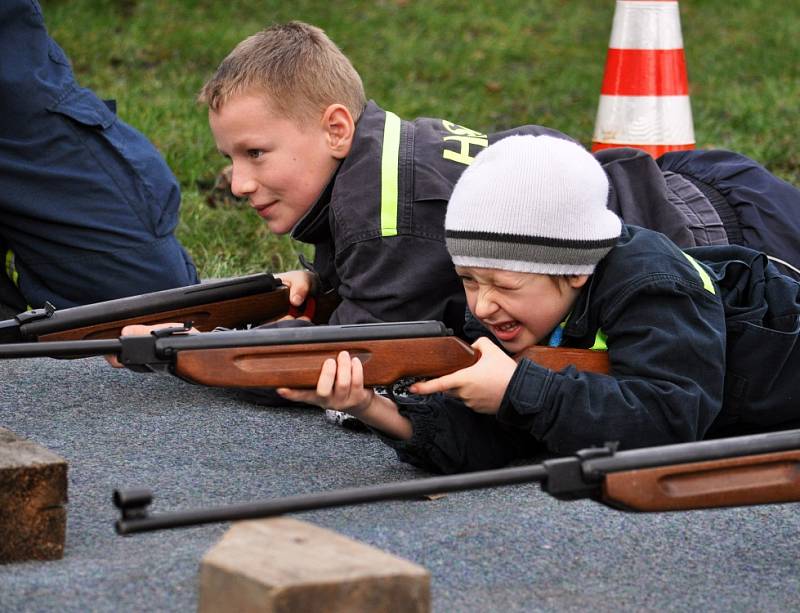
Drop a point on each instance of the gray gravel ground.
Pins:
(504, 549)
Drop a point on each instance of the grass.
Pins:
(482, 64)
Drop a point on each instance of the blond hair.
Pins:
(296, 65)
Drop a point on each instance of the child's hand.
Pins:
(482, 385)
(300, 283)
(140, 330)
(340, 387)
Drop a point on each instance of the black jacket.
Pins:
(693, 354)
(378, 229)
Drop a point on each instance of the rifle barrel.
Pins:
(60, 349)
(573, 477)
(133, 306)
(307, 334)
(9, 331)
(323, 500)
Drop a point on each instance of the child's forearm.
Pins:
(383, 414)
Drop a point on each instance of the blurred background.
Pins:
(482, 64)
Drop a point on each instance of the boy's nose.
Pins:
(242, 185)
(484, 305)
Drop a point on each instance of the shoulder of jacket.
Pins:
(646, 259)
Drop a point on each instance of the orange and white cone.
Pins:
(644, 100)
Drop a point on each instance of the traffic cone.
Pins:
(644, 100)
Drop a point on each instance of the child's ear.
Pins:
(339, 128)
(577, 281)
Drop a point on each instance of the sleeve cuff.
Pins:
(425, 421)
(524, 403)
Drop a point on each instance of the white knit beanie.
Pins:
(532, 204)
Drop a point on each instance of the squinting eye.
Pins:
(255, 153)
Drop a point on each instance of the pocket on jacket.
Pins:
(769, 361)
(126, 157)
(83, 107)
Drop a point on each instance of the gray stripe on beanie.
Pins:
(499, 249)
(524, 239)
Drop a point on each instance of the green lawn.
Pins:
(487, 65)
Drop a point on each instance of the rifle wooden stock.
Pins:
(761, 479)
(385, 361)
(556, 358)
(226, 313)
(236, 312)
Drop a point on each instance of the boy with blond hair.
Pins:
(367, 189)
(701, 343)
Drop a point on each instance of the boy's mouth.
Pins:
(506, 331)
(262, 210)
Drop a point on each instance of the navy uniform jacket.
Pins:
(379, 227)
(695, 351)
(87, 205)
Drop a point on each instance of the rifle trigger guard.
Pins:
(398, 391)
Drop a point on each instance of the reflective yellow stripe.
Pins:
(389, 171)
(599, 338)
(599, 342)
(11, 270)
(708, 284)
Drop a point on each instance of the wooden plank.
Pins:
(33, 492)
(283, 564)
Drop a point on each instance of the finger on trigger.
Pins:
(431, 386)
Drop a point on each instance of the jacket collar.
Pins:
(313, 227)
(578, 323)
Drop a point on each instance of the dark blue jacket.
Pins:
(88, 206)
(694, 352)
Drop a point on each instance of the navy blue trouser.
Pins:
(764, 210)
(88, 206)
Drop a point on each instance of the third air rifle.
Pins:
(229, 303)
(737, 471)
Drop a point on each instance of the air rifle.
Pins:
(739, 471)
(229, 303)
(293, 356)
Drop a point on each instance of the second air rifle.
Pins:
(230, 303)
(293, 356)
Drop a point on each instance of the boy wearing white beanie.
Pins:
(701, 343)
